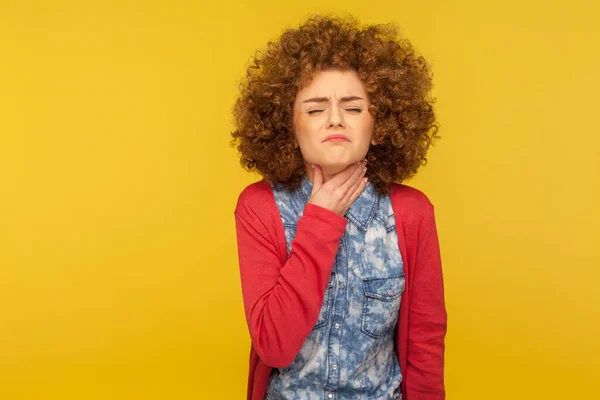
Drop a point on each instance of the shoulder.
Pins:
(255, 199)
(410, 202)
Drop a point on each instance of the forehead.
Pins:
(334, 82)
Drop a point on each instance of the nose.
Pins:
(335, 117)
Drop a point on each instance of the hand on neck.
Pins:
(328, 172)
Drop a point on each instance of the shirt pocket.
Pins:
(327, 303)
(381, 304)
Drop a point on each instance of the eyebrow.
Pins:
(325, 99)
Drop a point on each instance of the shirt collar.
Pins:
(361, 212)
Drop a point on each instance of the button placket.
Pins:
(341, 268)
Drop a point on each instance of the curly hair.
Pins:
(397, 81)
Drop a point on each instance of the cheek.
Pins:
(303, 130)
(366, 127)
(368, 121)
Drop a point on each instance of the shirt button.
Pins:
(341, 285)
(334, 366)
(390, 292)
(337, 326)
(330, 395)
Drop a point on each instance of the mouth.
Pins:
(336, 138)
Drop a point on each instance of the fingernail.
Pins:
(312, 165)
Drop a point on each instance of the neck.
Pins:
(327, 173)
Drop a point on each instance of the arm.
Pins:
(282, 302)
(426, 320)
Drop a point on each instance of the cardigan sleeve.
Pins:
(426, 320)
(282, 301)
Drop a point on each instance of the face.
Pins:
(332, 124)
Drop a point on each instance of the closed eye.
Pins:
(348, 109)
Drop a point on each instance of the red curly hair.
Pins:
(397, 81)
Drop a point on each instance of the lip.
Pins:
(336, 138)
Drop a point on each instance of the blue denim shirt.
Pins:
(350, 353)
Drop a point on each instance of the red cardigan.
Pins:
(283, 295)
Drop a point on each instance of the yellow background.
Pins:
(118, 260)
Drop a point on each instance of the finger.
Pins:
(317, 179)
(352, 189)
(343, 175)
(358, 191)
(358, 173)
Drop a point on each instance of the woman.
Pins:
(340, 263)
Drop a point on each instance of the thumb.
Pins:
(317, 179)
